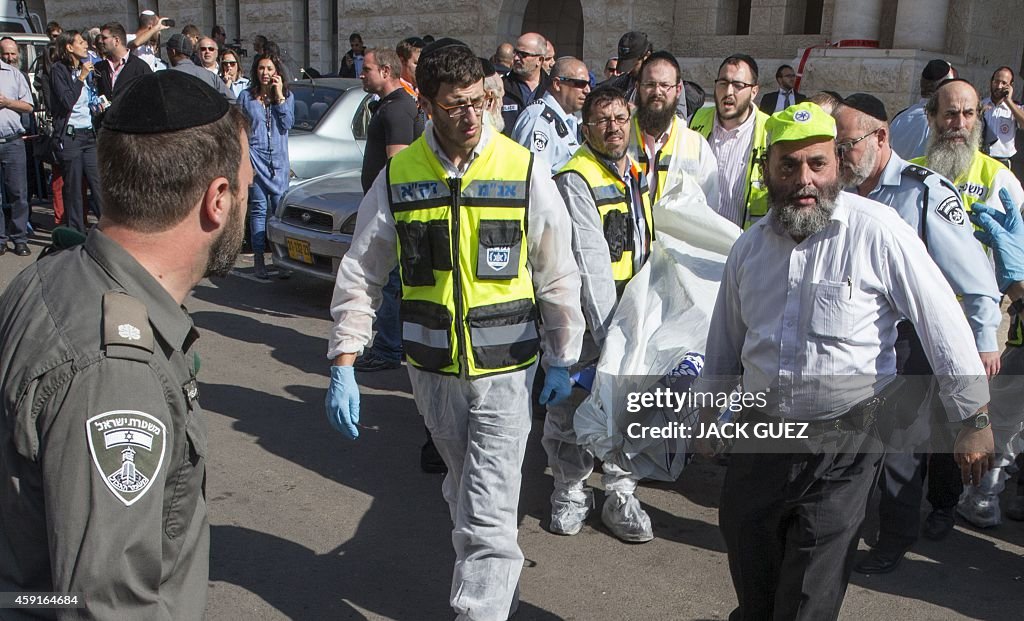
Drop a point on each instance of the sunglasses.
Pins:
(230, 63)
(207, 49)
(522, 54)
(577, 82)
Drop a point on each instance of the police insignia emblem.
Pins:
(952, 211)
(540, 141)
(127, 448)
(497, 257)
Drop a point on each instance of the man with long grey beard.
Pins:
(954, 115)
(931, 205)
(806, 317)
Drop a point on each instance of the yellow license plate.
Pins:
(299, 250)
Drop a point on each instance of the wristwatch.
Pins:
(978, 421)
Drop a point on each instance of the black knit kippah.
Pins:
(164, 101)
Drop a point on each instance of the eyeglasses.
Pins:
(843, 147)
(460, 110)
(736, 84)
(525, 55)
(577, 82)
(229, 63)
(207, 49)
(658, 86)
(617, 121)
(788, 75)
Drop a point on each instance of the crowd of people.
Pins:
(509, 201)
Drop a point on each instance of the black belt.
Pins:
(10, 138)
(72, 130)
(859, 418)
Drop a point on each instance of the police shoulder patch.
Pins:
(540, 140)
(952, 211)
(128, 449)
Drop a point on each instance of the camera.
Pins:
(167, 21)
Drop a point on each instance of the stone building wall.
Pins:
(978, 36)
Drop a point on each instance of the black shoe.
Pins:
(879, 562)
(370, 362)
(21, 249)
(938, 523)
(430, 459)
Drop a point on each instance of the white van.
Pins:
(15, 17)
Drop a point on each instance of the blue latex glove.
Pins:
(556, 386)
(342, 402)
(1004, 233)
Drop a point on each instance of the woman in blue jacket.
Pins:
(271, 111)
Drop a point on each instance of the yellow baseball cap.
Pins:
(799, 122)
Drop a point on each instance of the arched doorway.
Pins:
(561, 21)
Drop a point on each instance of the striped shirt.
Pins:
(732, 149)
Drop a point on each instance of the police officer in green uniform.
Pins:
(103, 444)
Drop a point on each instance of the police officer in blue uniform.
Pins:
(929, 203)
(548, 127)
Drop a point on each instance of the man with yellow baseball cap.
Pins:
(806, 320)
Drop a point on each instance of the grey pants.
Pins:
(480, 428)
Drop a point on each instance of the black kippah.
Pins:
(441, 44)
(868, 104)
(164, 101)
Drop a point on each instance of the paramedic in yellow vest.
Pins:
(480, 236)
(660, 140)
(609, 204)
(735, 131)
(954, 116)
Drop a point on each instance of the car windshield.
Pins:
(312, 104)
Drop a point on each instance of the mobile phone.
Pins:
(167, 21)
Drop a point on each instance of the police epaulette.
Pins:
(918, 172)
(126, 330)
(549, 115)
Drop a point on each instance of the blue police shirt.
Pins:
(546, 129)
(943, 226)
(908, 131)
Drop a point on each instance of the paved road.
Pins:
(306, 525)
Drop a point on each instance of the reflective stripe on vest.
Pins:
(757, 194)
(614, 204)
(468, 305)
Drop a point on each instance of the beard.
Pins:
(851, 176)
(226, 247)
(653, 121)
(495, 120)
(801, 223)
(951, 159)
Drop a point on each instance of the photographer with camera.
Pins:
(146, 44)
(1002, 117)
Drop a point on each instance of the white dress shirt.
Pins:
(374, 253)
(1000, 129)
(813, 323)
(732, 149)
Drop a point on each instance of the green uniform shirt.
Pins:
(102, 442)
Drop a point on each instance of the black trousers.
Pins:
(904, 471)
(78, 161)
(791, 524)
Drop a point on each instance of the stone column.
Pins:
(921, 25)
(856, 19)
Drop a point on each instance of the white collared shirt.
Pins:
(732, 150)
(813, 323)
(785, 100)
